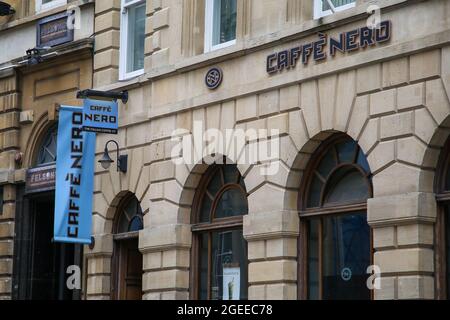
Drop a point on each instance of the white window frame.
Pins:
(123, 74)
(319, 13)
(41, 7)
(209, 23)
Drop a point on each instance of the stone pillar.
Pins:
(99, 268)
(107, 42)
(272, 253)
(403, 235)
(166, 254)
(7, 243)
(9, 145)
(158, 36)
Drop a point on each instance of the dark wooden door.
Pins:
(129, 280)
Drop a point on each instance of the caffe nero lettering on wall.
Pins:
(328, 46)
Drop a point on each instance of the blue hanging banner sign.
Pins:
(74, 178)
(101, 116)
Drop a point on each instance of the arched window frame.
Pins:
(120, 237)
(214, 224)
(51, 132)
(325, 209)
(442, 221)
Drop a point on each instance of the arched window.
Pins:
(220, 251)
(47, 149)
(442, 187)
(127, 259)
(336, 239)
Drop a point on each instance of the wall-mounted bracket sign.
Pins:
(345, 42)
(101, 111)
(101, 116)
(54, 30)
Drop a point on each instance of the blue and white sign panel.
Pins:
(101, 116)
(74, 178)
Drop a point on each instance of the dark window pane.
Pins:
(231, 174)
(203, 290)
(229, 266)
(336, 3)
(347, 185)
(47, 150)
(232, 203)
(314, 193)
(224, 25)
(362, 161)
(346, 256)
(206, 209)
(216, 183)
(313, 259)
(136, 224)
(130, 218)
(346, 151)
(327, 164)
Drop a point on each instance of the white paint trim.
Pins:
(209, 23)
(123, 74)
(319, 13)
(40, 7)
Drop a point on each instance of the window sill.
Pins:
(130, 76)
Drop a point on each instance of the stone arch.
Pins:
(432, 152)
(188, 178)
(110, 187)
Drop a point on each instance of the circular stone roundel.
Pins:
(214, 78)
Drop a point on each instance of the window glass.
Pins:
(338, 244)
(313, 259)
(336, 3)
(232, 203)
(203, 291)
(47, 150)
(327, 164)
(343, 175)
(222, 248)
(362, 161)
(229, 266)
(224, 21)
(314, 193)
(347, 185)
(130, 218)
(346, 151)
(345, 257)
(136, 37)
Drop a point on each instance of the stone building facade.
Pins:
(31, 92)
(377, 111)
(390, 98)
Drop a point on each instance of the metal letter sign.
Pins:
(74, 178)
(101, 116)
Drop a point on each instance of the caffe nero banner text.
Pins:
(74, 178)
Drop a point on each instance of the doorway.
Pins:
(127, 259)
(42, 263)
